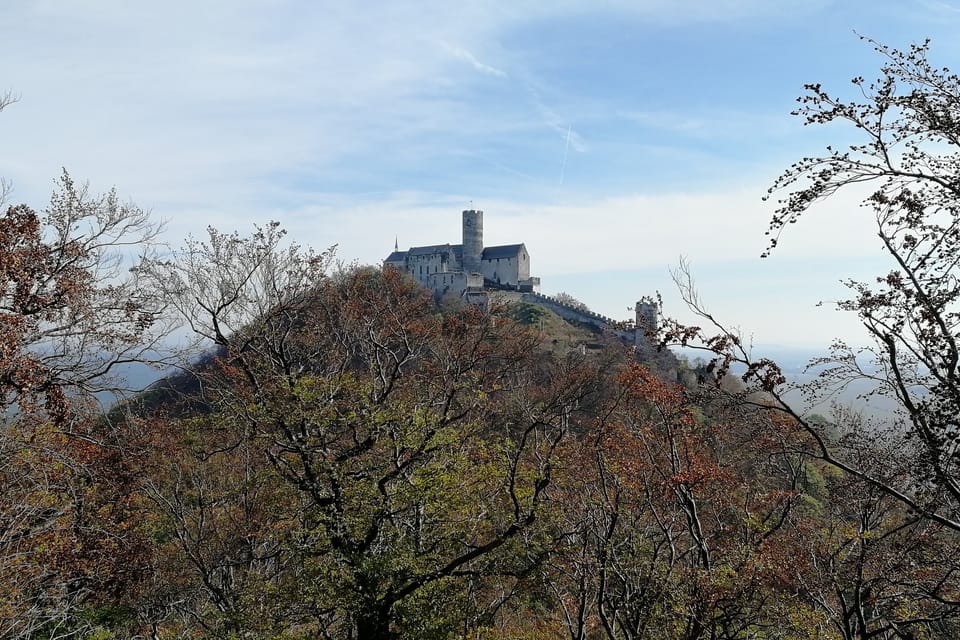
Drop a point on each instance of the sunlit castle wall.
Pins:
(509, 264)
(472, 240)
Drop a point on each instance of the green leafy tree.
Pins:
(527, 314)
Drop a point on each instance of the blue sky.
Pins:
(610, 137)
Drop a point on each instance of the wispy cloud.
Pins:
(462, 54)
(563, 127)
(940, 6)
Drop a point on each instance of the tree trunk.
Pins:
(374, 623)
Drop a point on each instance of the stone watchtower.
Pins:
(472, 240)
(646, 309)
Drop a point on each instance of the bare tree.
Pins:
(6, 99)
(909, 123)
(70, 310)
(565, 298)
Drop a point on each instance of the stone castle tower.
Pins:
(472, 240)
(646, 309)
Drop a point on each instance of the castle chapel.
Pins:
(461, 268)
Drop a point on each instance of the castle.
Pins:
(469, 270)
(459, 269)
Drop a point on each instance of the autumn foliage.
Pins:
(348, 457)
(354, 459)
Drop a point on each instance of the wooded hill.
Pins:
(357, 461)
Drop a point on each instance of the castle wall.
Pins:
(423, 266)
(646, 317)
(568, 312)
(454, 282)
(523, 265)
(530, 285)
(509, 270)
(501, 270)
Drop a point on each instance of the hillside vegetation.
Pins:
(356, 460)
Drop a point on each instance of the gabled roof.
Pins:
(429, 250)
(503, 251)
(489, 253)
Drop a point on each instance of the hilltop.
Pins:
(559, 327)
